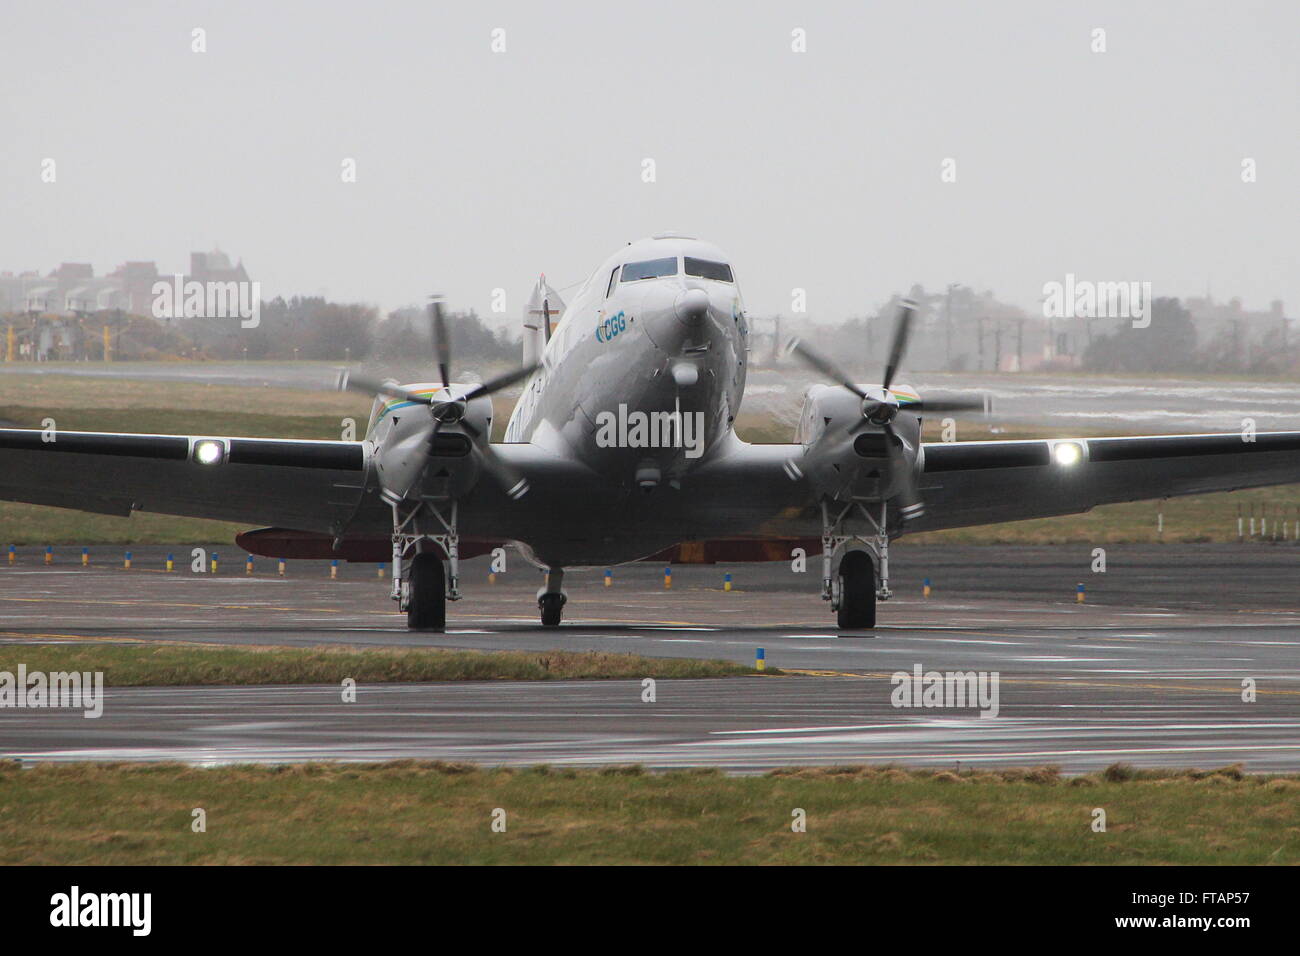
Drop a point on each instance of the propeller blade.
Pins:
(500, 382)
(825, 366)
(902, 332)
(949, 405)
(441, 343)
(909, 497)
(515, 484)
(370, 386)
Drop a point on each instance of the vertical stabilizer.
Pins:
(540, 316)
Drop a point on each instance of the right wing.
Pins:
(312, 485)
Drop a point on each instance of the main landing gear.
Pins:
(857, 586)
(855, 567)
(426, 603)
(422, 589)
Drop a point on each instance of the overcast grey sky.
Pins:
(818, 170)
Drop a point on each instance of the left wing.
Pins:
(756, 492)
(968, 483)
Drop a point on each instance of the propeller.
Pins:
(820, 363)
(448, 408)
(880, 407)
(349, 381)
(441, 341)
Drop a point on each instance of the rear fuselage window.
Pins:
(650, 269)
(708, 270)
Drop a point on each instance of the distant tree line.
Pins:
(1170, 344)
(310, 327)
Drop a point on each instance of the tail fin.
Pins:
(540, 316)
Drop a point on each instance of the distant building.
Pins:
(74, 289)
(1213, 318)
(215, 266)
(136, 280)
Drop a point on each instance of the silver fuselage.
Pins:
(629, 420)
(625, 355)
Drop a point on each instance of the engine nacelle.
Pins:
(407, 464)
(845, 454)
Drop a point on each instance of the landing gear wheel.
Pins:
(857, 592)
(552, 608)
(427, 608)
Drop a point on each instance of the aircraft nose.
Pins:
(691, 307)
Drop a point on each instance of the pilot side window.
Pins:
(708, 270)
(650, 269)
(613, 280)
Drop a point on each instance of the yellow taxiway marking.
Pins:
(48, 637)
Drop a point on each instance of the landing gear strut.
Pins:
(423, 590)
(860, 581)
(551, 599)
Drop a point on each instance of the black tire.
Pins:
(427, 608)
(552, 608)
(857, 592)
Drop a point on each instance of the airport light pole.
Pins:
(947, 321)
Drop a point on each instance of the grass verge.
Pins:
(180, 665)
(411, 813)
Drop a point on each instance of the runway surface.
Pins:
(1149, 671)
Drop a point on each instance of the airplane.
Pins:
(622, 448)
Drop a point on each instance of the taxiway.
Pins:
(1149, 671)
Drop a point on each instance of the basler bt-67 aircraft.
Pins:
(621, 448)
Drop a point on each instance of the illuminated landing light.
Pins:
(209, 451)
(1067, 453)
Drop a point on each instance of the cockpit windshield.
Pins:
(708, 270)
(650, 269)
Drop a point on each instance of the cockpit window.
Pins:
(650, 269)
(708, 270)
